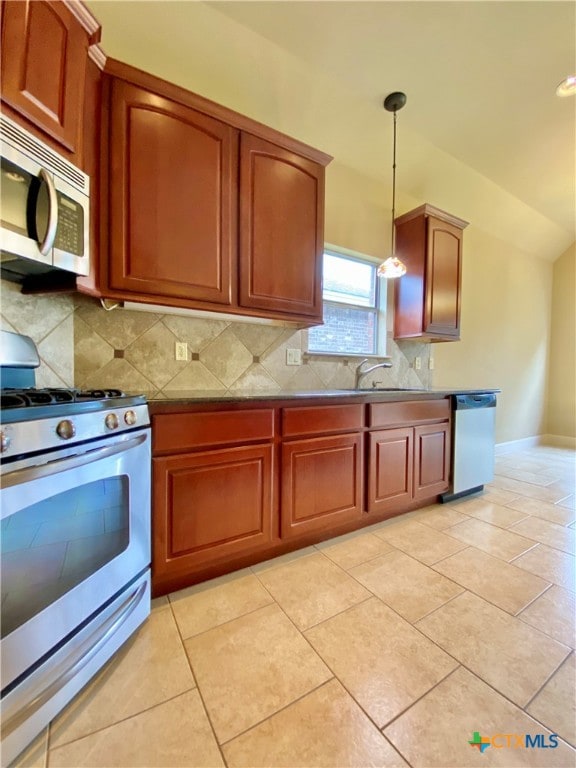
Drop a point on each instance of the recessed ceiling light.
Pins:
(567, 87)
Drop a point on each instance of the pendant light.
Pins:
(393, 267)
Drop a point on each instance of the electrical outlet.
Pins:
(431, 364)
(293, 357)
(181, 351)
(418, 363)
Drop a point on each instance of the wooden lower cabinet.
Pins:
(209, 506)
(391, 468)
(431, 460)
(406, 465)
(321, 484)
(239, 484)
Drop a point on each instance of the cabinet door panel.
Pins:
(321, 483)
(431, 460)
(44, 53)
(443, 278)
(281, 243)
(391, 469)
(172, 198)
(210, 505)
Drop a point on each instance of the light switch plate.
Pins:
(181, 350)
(293, 357)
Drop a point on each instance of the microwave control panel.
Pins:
(70, 231)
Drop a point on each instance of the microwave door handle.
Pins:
(46, 245)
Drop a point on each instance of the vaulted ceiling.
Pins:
(480, 77)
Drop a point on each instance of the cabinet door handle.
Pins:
(46, 245)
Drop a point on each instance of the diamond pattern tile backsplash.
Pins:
(49, 321)
(135, 351)
(82, 344)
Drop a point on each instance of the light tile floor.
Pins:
(388, 647)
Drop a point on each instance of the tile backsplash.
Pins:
(82, 344)
(49, 321)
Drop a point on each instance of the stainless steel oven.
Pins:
(75, 538)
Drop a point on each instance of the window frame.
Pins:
(378, 309)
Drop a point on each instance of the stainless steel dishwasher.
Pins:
(472, 443)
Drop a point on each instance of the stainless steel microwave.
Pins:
(45, 208)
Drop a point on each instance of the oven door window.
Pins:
(50, 547)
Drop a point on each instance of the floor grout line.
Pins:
(550, 676)
(302, 633)
(194, 677)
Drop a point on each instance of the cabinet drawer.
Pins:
(185, 431)
(322, 419)
(409, 412)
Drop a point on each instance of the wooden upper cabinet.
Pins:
(44, 53)
(281, 226)
(172, 194)
(204, 208)
(428, 297)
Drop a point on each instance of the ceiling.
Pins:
(482, 133)
(480, 78)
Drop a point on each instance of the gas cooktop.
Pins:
(25, 397)
(29, 404)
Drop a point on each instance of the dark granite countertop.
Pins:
(213, 396)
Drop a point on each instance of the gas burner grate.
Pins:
(11, 401)
(23, 398)
(98, 394)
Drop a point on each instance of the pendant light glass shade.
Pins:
(392, 267)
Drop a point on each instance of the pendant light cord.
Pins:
(393, 243)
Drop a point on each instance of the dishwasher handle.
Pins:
(467, 402)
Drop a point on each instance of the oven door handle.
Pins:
(91, 646)
(28, 474)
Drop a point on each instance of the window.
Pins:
(354, 307)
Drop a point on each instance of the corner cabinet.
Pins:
(206, 209)
(44, 54)
(428, 297)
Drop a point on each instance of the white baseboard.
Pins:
(560, 441)
(517, 445)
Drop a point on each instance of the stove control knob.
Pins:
(130, 418)
(66, 429)
(111, 421)
(4, 442)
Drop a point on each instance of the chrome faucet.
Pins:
(361, 373)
